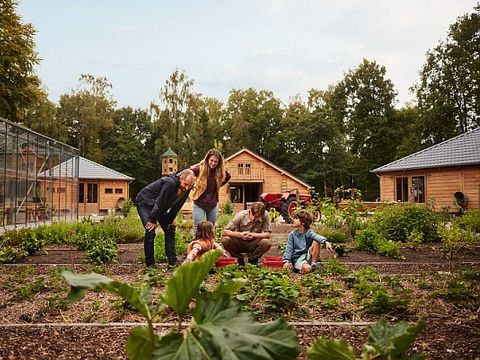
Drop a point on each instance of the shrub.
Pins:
(374, 241)
(227, 208)
(472, 220)
(455, 238)
(103, 250)
(336, 236)
(397, 222)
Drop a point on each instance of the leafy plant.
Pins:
(374, 241)
(274, 216)
(472, 220)
(396, 222)
(218, 328)
(385, 342)
(102, 251)
(227, 208)
(159, 245)
(455, 238)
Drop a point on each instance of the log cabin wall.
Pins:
(440, 185)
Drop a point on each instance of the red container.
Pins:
(225, 262)
(273, 262)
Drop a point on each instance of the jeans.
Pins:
(148, 244)
(201, 214)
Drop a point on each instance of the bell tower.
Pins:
(169, 162)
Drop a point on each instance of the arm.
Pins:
(218, 246)
(287, 256)
(227, 178)
(322, 240)
(192, 255)
(266, 229)
(162, 202)
(178, 205)
(232, 228)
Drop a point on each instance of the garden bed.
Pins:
(37, 322)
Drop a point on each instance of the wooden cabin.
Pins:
(253, 175)
(446, 175)
(100, 189)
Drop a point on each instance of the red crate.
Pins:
(225, 262)
(273, 262)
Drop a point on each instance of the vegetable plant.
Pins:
(385, 342)
(218, 329)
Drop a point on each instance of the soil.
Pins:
(29, 330)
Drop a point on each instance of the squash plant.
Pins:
(218, 329)
(385, 342)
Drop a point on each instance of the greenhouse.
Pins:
(35, 184)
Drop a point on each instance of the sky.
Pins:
(285, 46)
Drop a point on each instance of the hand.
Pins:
(288, 265)
(329, 246)
(248, 236)
(149, 226)
(171, 226)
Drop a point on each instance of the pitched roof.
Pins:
(169, 152)
(87, 169)
(461, 150)
(269, 163)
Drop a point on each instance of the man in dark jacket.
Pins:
(161, 201)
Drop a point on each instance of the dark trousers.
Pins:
(148, 244)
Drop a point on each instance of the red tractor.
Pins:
(286, 204)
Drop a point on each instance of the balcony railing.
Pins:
(247, 174)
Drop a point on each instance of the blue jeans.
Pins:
(148, 244)
(201, 214)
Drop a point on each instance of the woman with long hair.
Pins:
(211, 175)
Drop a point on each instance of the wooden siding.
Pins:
(268, 178)
(440, 185)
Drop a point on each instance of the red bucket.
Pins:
(273, 262)
(225, 262)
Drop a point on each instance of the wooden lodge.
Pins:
(447, 175)
(252, 175)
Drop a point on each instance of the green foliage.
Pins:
(374, 241)
(227, 208)
(218, 328)
(180, 244)
(385, 342)
(472, 220)
(102, 251)
(414, 239)
(455, 238)
(396, 222)
(335, 236)
(274, 216)
(334, 267)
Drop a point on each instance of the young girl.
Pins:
(204, 241)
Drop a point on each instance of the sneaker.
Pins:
(253, 262)
(173, 263)
(241, 262)
(315, 266)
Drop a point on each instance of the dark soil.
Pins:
(453, 332)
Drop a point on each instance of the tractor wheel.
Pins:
(316, 216)
(288, 208)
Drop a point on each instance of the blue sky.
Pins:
(285, 46)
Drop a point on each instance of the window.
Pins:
(240, 169)
(118, 191)
(170, 161)
(108, 191)
(418, 189)
(92, 190)
(236, 194)
(247, 169)
(81, 191)
(402, 189)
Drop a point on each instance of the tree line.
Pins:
(334, 137)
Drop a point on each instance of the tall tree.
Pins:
(448, 92)
(124, 146)
(253, 118)
(19, 86)
(363, 103)
(173, 116)
(86, 113)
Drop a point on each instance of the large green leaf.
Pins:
(186, 280)
(231, 334)
(393, 340)
(80, 283)
(140, 300)
(139, 344)
(176, 346)
(324, 349)
(229, 287)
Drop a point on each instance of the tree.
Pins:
(362, 104)
(253, 119)
(86, 113)
(172, 117)
(124, 146)
(448, 93)
(19, 86)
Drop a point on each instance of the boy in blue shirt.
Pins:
(303, 245)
